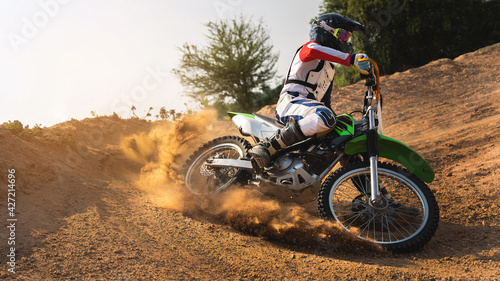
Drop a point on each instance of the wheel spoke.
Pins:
(398, 217)
(388, 228)
(353, 219)
(407, 222)
(345, 195)
(209, 180)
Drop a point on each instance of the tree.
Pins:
(235, 64)
(403, 34)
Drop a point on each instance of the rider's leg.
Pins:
(304, 117)
(263, 151)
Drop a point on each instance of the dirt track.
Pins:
(101, 198)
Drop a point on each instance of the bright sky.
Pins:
(62, 59)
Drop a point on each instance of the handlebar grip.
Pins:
(375, 72)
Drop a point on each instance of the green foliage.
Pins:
(345, 76)
(267, 95)
(35, 131)
(15, 127)
(403, 34)
(228, 72)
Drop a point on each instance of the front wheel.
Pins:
(201, 179)
(405, 218)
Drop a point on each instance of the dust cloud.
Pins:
(164, 150)
(160, 151)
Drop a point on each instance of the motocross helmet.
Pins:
(325, 30)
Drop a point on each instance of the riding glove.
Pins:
(362, 67)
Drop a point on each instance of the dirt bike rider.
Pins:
(304, 103)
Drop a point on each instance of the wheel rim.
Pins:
(400, 216)
(201, 179)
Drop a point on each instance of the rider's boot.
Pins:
(263, 152)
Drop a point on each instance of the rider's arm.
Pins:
(313, 51)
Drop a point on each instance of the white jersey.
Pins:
(306, 96)
(311, 72)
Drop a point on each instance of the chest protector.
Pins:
(317, 81)
(321, 79)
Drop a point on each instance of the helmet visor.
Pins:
(339, 33)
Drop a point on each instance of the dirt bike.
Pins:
(388, 203)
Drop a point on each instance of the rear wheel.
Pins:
(403, 221)
(203, 180)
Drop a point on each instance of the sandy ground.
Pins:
(102, 198)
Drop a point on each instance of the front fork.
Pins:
(372, 149)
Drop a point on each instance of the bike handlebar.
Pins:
(377, 76)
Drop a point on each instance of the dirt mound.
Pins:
(101, 198)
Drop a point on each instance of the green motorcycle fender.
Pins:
(397, 151)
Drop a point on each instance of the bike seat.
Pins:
(273, 121)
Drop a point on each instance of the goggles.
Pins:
(339, 33)
(342, 34)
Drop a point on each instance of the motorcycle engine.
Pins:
(284, 163)
(298, 170)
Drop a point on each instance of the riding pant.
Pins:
(313, 116)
